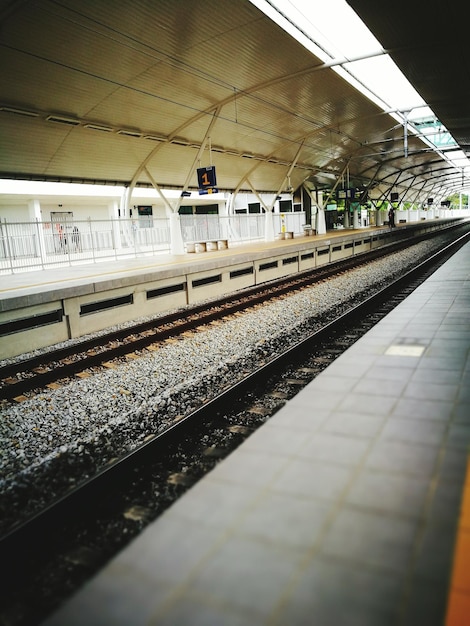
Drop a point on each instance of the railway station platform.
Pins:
(49, 306)
(350, 506)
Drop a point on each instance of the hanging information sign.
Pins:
(206, 179)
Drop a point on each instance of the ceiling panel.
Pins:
(166, 70)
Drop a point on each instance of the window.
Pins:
(285, 206)
(145, 216)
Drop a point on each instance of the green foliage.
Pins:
(455, 200)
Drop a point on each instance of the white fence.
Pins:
(238, 228)
(36, 245)
(40, 245)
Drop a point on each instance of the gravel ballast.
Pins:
(59, 437)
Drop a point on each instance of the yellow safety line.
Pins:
(458, 609)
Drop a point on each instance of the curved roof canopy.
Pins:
(142, 93)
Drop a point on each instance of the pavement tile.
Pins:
(389, 493)
(335, 593)
(314, 479)
(371, 539)
(275, 512)
(334, 449)
(246, 574)
(353, 424)
(395, 456)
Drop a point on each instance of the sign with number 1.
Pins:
(207, 180)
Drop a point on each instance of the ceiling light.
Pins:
(129, 133)
(59, 119)
(180, 142)
(16, 111)
(155, 138)
(103, 129)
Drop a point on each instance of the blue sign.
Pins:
(207, 180)
(203, 192)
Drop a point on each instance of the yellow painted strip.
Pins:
(458, 609)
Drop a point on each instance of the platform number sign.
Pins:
(206, 179)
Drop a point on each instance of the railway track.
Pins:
(23, 377)
(53, 553)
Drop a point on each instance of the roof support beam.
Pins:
(333, 189)
(289, 172)
(198, 157)
(158, 190)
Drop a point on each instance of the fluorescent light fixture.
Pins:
(129, 133)
(16, 111)
(103, 129)
(155, 138)
(60, 119)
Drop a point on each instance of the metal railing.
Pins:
(239, 227)
(26, 246)
(40, 245)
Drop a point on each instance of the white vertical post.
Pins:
(356, 218)
(34, 207)
(269, 225)
(176, 236)
(320, 224)
(113, 213)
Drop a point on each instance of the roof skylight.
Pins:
(334, 32)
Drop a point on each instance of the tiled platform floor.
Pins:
(342, 510)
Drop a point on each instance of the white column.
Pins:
(176, 236)
(356, 218)
(320, 225)
(113, 214)
(269, 226)
(34, 208)
(320, 221)
(35, 215)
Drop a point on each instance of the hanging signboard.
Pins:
(342, 194)
(206, 179)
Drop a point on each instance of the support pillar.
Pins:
(35, 215)
(356, 218)
(320, 225)
(176, 236)
(113, 213)
(269, 226)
